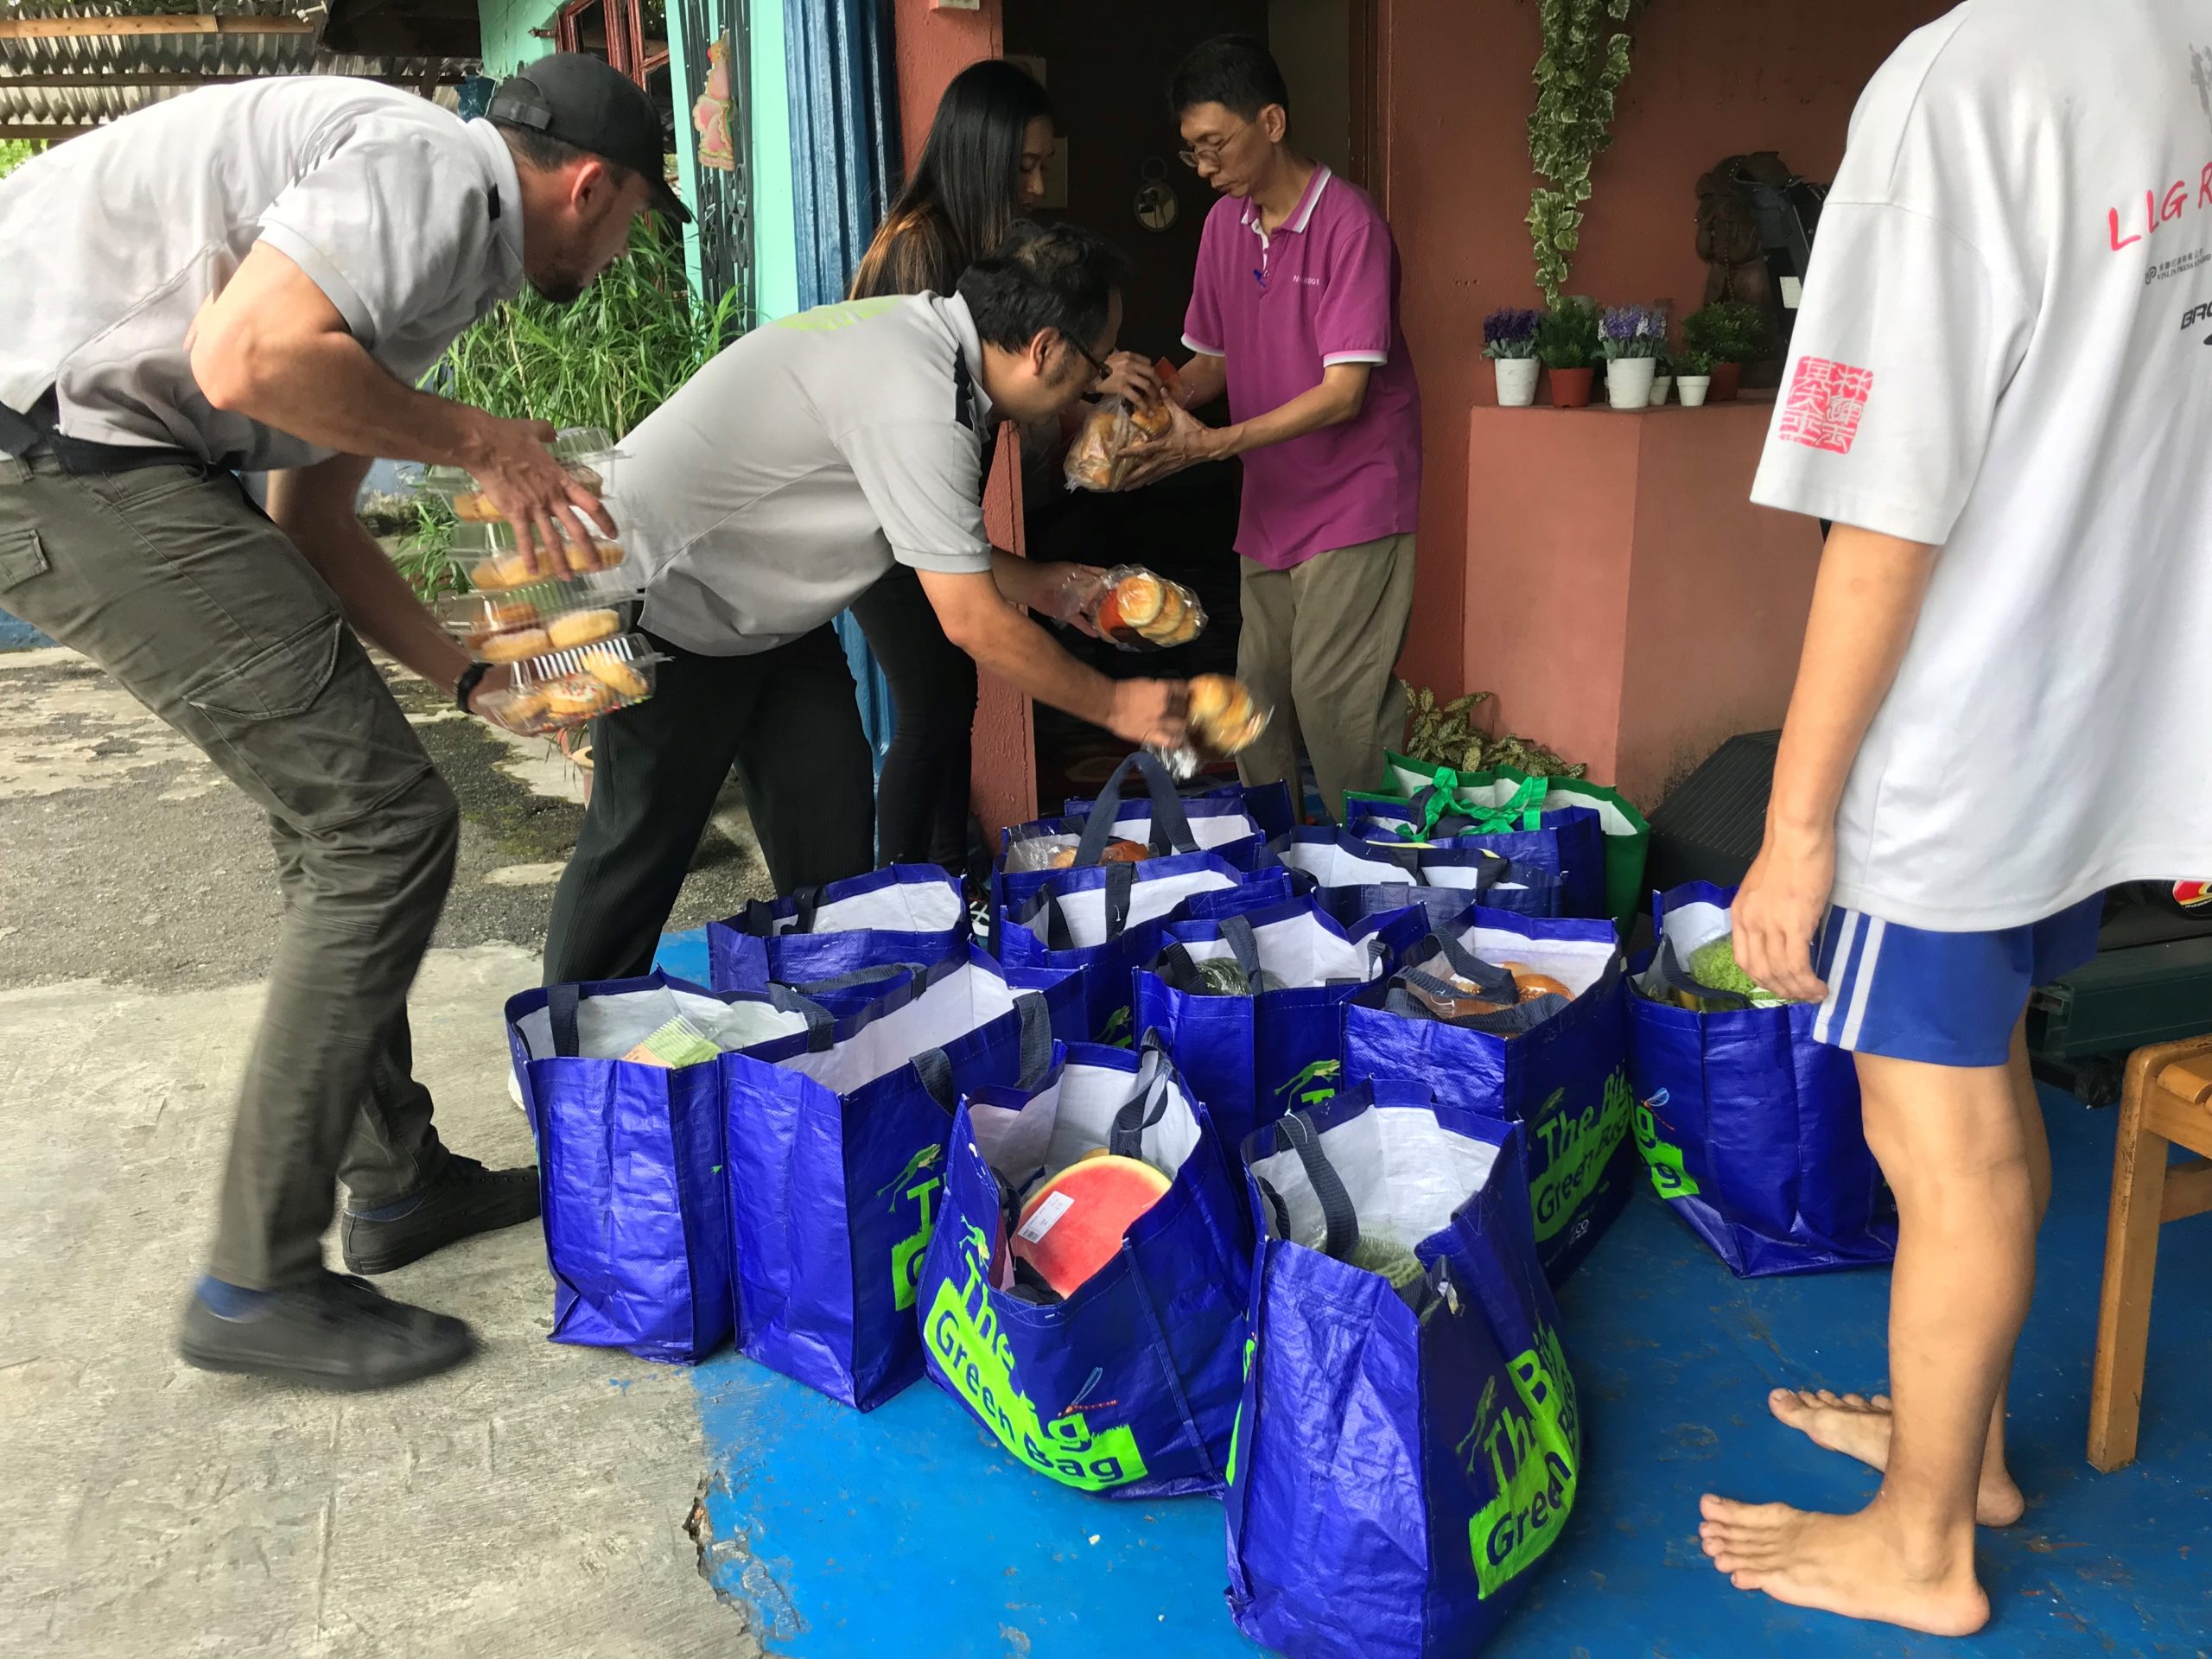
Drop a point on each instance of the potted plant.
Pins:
(1630, 336)
(1730, 334)
(1567, 345)
(1510, 342)
(1662, 378)
(1693, 376)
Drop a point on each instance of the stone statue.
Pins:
(1728, 241)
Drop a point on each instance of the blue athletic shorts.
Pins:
(1945, 999)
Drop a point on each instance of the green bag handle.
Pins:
(1527, 805)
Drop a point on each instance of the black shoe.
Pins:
(336, 1333)
(463, 1198)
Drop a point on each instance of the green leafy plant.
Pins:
(14, 152)
(1446, 735)
(1580, 68)
(1688, 359)
(608, 360)
(1568, 338)
(1727, 331)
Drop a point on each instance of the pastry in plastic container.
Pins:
(496, 563)
(590, 680)
(1225, 718)
(1139, 610)
(583, 451)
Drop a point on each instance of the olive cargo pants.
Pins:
(169, 579)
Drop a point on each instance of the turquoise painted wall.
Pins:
(775, 245)
(506, 24)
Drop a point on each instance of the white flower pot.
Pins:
(1691, 388)
(1628, 382)
(1661, 385)
(1516, 381)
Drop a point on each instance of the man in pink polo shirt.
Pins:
(1294, 313)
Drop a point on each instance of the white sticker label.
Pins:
(1048, 1213)
(1792, 291)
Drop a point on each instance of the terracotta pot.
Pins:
(1727, 377)
(1571, 388)
(1516, 381)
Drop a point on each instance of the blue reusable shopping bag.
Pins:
(1565, 1081)
(1268, 805)
(630, 1157)
(1750, 1128)
(1128, 1388)
(1340, 865)
(1164, 822)
(1567, 843)
(1108, 921)
(1250, 1058)
(835, 1160)
(842, 946)
(1407, 1448)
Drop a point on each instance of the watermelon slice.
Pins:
(1073, 1225)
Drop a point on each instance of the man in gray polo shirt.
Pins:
(765, 497)
(254, 277)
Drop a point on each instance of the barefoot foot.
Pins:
(1854, 1565)
(1858, 1427)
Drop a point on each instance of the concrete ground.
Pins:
(532, 1504)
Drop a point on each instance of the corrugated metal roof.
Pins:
(181, 60)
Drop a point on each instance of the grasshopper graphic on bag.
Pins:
(910, 1184)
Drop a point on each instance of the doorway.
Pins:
(1106, 73)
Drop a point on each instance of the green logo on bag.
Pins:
(964, 1333)
(1576, 1146)
(906, 1256)
(1534, 1454)
(1236, 1428)
(1317, 1082)
(1663, 1158)
(1115, 1032)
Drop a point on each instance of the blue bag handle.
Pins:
(1677, 977)
(1036, 1053)
(1121, 881)
(759, 918)
(859, 976)
(1506, 1023)
(821, 1025)
(561, 1002)
(1486, 977)
(1171, 825)
(1147, 1106)
(1339, 1221)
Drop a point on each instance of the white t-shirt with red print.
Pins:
(2006, 350)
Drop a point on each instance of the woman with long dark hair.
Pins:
(982, 167)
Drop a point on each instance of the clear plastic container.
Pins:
(582, 450)
(509, 627)
(1141, 610)
(568, 688)
(496, 564)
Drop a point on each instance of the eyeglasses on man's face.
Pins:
(1199, 157)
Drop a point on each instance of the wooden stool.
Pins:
(2167, 1098)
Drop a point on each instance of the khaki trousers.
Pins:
(1320, 647)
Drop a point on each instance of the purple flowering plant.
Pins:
(1633, 331)
(1511, 333)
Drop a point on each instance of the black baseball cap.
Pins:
(587, 102)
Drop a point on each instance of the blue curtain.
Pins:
(844, 115)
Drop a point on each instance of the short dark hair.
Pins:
(1059, 276)
(544, 153)
(1235, 70)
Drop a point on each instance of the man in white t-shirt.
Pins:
(2000, 391)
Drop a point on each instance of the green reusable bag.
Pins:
(1628, 834)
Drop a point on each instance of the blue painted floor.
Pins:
(908, 1531)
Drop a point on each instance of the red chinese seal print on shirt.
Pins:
(1826, 400)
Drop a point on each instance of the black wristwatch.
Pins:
(471, 677)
